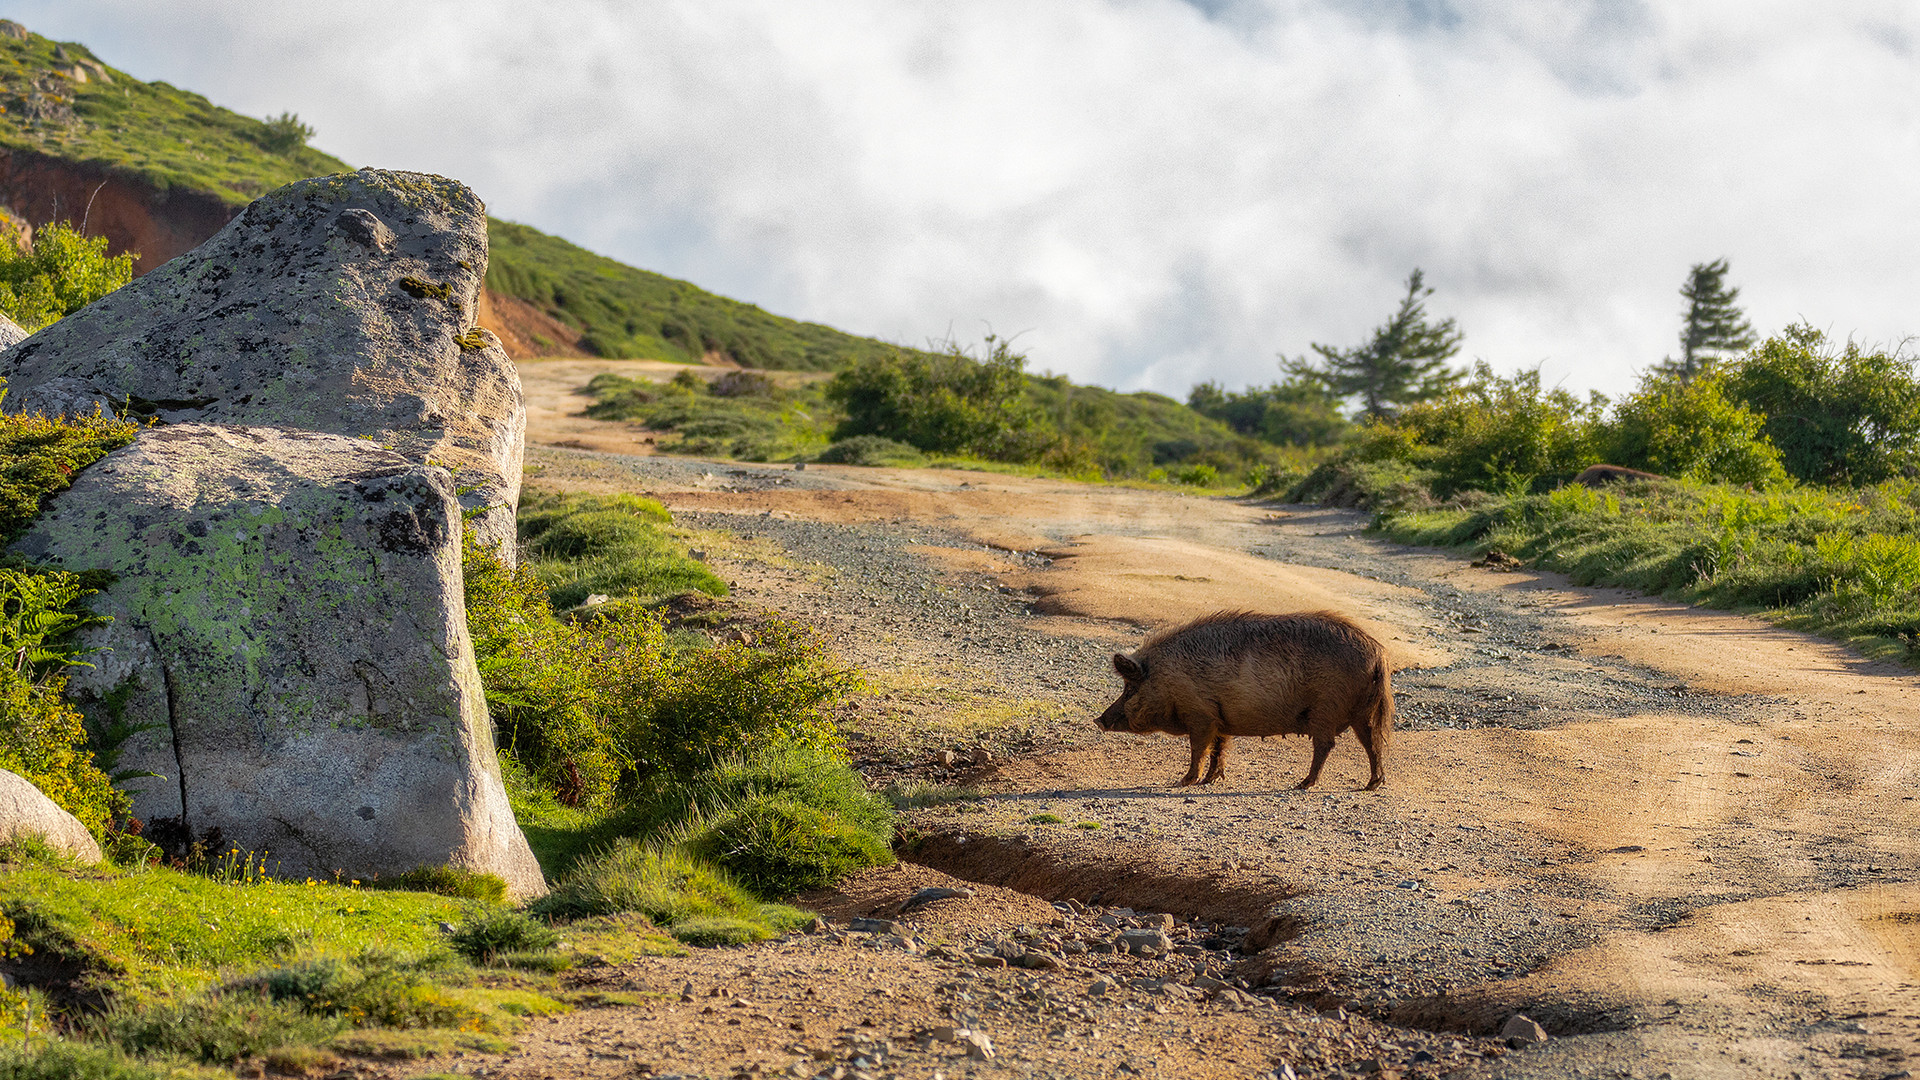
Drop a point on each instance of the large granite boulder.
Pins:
(25, 811)
(289, 619)
(343, 304)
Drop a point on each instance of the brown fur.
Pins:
(1594, 476)
(1235, 673)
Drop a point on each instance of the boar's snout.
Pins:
(1115, 718)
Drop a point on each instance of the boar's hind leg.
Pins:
(1365, 734)
(1320, 752)
(1218, 767)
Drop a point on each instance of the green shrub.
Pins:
(948, 402)
(1386, 485)
(42, 737)
(587, 707)
(681, 716)
(543, 680)
(1302, 411)
(39, 456)
(64, 272)
(1844, 418)
(1496, 434)
(871, 450)
(284, 134)
(1690, 429)
(813, 774)
(779, 847)
(489, 931)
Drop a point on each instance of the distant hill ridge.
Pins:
(157, 170)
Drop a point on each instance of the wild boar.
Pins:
(1236, 673)
(1594, 476)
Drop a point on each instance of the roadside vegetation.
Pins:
(675, 789)
(957, 407)
(1788, 476)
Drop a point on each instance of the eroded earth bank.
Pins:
(1682, 842)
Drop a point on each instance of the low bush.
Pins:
(1690, 429)
(676, 890)
(42, 737)
(743, 415)
(486, 932)
(1848, 416)
(611, 545)
(64, 272)
(219, 1028)
(871, 450)
(588, 707)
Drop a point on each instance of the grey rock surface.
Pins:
(10, 334)
(289, 618)
(26, 811)
(343, 304)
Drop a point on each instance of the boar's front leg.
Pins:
(1198, 741)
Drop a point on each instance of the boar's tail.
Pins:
(1379, 711)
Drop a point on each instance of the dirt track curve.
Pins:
(1684, 842)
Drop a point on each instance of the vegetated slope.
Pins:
(62, 101)
(158, 170)
(624, 311)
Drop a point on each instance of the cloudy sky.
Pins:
(1153, 192)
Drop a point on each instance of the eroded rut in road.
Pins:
(1685, 832)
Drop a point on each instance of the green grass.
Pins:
(1843, 564)
(66, 1059)
(623, 311)
(683, 893)
(609, 545)
(157, 931)
(169, 137)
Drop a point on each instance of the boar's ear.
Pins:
(1129, 668)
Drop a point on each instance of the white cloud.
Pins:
(1157, 192)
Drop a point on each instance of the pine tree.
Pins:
(1404, 362)
(1715, 327)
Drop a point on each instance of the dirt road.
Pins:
(1684, 842)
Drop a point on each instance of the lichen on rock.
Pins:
(344, 304)
(289, 619)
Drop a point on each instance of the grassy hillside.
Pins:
(62, 101)
(59, 99)
(623, 311)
